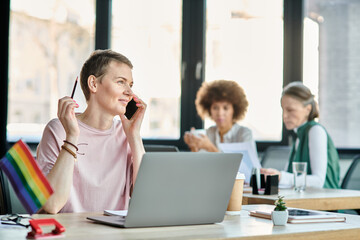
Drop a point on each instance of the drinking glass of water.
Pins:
(299, 170)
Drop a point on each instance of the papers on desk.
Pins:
(122, 213)
(4, 225)
(297, 215)
(18, 221)
(250, 159)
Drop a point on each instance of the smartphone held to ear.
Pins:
(131, 109)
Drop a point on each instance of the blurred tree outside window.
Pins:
(49, 42)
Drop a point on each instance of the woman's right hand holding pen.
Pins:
(61, 175)
(66, 115)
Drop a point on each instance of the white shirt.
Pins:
(318, 159)
(236, 134)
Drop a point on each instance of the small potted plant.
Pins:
(280, 214)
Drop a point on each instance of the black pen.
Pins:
(73, 91)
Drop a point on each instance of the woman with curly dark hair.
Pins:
(225, 103)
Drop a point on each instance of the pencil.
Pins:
(73, 91)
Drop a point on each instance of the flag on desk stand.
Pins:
(29, 183)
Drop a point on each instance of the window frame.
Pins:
(193, 56)
(4, 71)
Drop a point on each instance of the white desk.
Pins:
(312, 198)
(233, 227)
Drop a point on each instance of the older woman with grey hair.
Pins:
(313, 144)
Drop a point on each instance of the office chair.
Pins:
(352, 177)
(160, 148)
(276, 157)
(5, 204)
(9, 202)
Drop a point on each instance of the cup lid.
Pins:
(240, 176)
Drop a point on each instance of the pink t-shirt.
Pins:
(103, 172)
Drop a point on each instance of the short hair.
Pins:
(97, 65)
(303, 94)
(221, 90)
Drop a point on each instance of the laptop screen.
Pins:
(182, 188)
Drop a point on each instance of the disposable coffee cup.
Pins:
(237, 193)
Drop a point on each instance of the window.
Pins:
(244, 43)
(49, 41)
(168, 40)
(149, 34)
(331, 66)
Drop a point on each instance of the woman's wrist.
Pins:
(214, 149)
(72, 139)
(210, 147)
(134, 136)
(135, 141)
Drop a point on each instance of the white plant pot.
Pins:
(279, 217)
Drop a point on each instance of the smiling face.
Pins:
(113, 90)
(294, 112)
(222, 113)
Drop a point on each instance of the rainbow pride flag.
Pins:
(29, 183)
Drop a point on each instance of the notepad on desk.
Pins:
(122, 213)
(297, 215)
(250, 158)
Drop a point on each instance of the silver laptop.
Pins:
(179, 188)
(160, 148)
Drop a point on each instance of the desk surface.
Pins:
(312, 198)
(233, 227)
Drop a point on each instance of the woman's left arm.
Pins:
(318, 156)
(205, 143)
(132, 130)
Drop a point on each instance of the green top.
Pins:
(301, 154)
